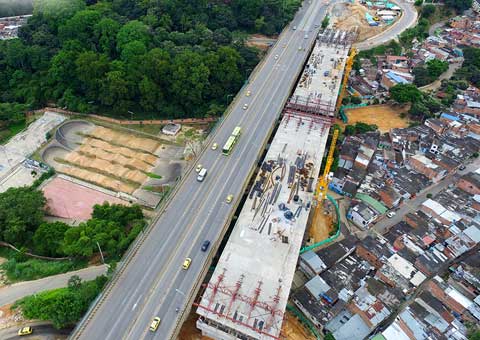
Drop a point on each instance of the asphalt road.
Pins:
(153, 283)
(413, 205)
(408, 19)
(12, 293)
(41, 330)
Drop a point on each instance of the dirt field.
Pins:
(293, 329)
(260, 41)
(348, 16)
(320, 225)
(122, 139)
(384, 116)
(9, 318)
(190, 331)
(115, 160)
(69, 200)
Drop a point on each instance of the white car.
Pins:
(391, 214)
(245, 106)
(276, 56)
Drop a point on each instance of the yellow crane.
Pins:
(346, 74)
(322, 185)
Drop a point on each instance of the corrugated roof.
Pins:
(379, 207)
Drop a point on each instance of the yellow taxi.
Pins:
(155, 323)
(229, 199)
(25, 331)
(186, 263)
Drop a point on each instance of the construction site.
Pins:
(247, 295)
(370, 19)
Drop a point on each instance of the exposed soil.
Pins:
(320, 224)
(190, 331)
(385, 117)
(260, 41)
(9, 318)
(120, 139)
(293, 329)
(348, 16)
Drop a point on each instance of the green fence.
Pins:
(304, 320)
(331, 238)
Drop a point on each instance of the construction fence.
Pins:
(126, 121)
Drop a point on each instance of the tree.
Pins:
(436, 67)
(124, 215)
(419, 110)
(48, 239)
(63, 306)
(428, 10)
(474, 336)
(329, 336)
(325, 21)
(404, 93)
(132, 31)
(459, 5)
(422, 76)
(17, 225)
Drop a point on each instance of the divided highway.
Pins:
(153, 282)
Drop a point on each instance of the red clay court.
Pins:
(74, 201)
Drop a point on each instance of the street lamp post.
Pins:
(101, 254)
(228, 95)
(131, 114)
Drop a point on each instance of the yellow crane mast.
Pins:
(322, 185)
(346, 74)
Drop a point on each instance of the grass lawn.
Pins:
(21, 268)
(12, 130)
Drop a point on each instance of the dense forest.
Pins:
(10, 8)
(155, 58)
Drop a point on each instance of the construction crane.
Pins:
(322, 185)
(348, 69)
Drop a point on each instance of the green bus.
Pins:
(231, 141)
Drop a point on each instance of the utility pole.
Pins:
(101, 254)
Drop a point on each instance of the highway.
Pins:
(153, 283)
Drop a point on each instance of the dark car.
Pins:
(462, 167)
(205, 245)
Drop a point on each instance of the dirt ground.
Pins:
(9, 318)
(109, 158)
(190, 331)
(385, 117)
(293, 329)
(320, 224)
(260, 41)
(348, 16)
(72, 201)
(121, 139)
